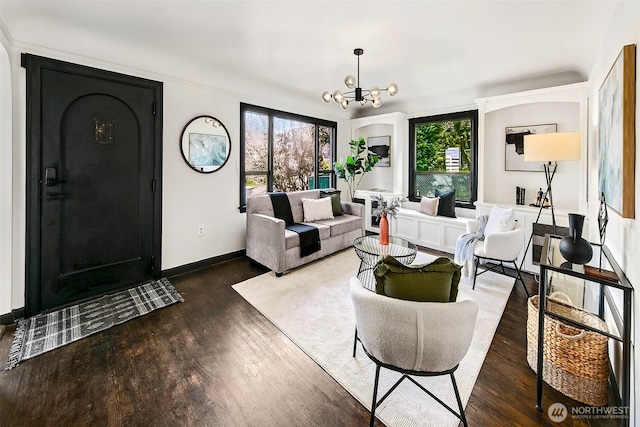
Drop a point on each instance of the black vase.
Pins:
(573, 247)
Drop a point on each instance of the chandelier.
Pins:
(362, 96)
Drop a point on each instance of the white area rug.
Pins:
(312, 306)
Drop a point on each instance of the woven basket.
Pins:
(576, 361)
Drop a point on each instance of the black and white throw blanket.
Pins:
(309, 235)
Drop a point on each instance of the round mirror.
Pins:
(205, 144)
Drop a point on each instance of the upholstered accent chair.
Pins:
(413, 338)
(498, 247)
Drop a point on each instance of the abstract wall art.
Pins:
(380, 146)
(616, 134)
(514, 147)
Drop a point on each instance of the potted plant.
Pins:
(353, 169)
(383, 209)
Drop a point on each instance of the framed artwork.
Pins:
(616, 134)
(380, 146)
(207, 150)
(514, 147)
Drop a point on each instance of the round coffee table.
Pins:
(370, 251)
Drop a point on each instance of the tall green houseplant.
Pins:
(353, 169)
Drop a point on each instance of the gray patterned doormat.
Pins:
(47, 331)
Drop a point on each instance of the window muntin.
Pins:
(284, 152)
(443, 156)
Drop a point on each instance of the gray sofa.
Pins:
(269, 244)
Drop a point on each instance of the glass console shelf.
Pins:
(599, 287)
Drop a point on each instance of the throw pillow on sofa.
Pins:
(335, 200)
(447, 204)
(317, 209)
(432, 282)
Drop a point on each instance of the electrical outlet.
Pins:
(200, 230)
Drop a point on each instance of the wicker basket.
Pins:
(576, 361)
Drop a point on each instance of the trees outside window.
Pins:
(443, 156)
(284, 152)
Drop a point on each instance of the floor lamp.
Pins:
(548, 148)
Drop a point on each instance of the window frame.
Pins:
(468, 114)
(271, 114)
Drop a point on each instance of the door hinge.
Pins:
(153, 108)
(153, 185)
(153, 262)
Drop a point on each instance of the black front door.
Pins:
(94, 206)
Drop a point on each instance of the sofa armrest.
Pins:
(265, 241)
(472, 225)
(352, 208)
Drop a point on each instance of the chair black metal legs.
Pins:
(515, 265)
(375, 403)
(355, 342)
(455, 389)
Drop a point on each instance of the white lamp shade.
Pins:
(551, 147)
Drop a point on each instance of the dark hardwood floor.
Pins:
(216, 361)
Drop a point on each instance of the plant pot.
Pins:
(573, 247)
(384, 230)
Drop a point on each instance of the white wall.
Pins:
(623, 235)
(5, 178)
(500, 184)
(190, 199)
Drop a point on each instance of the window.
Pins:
(443, 156)
(284, 152)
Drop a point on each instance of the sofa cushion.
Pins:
(316, 209)
(292, 239)
(335, 200)
(260, 204)
(435, 282)
(342, 224)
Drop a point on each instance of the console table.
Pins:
(603, 295)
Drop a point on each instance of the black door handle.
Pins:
(51, 177)
(51, 182)
(55, 196)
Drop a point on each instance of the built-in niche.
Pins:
(500, 183)
(386, 135)
(565, 108)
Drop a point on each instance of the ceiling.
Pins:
(440, 53)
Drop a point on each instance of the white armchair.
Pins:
(413, 338)
(500, 247)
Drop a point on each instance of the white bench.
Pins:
(435, 232)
